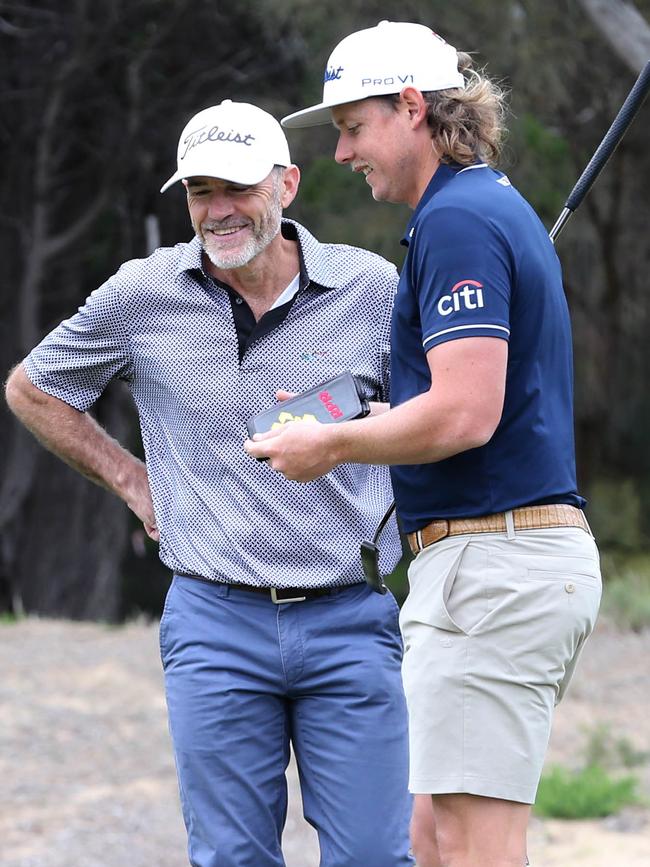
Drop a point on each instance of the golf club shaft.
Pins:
(605, 149)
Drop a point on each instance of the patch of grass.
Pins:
(598, 747)
(626, 591)
(627, 601)
(606, 751)
(630, 756)
(7, 617)
(585, 794)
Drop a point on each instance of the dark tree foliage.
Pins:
(93, 98)
(572, 82)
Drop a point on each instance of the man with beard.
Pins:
(270, 638)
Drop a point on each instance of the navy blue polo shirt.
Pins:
(480, 264)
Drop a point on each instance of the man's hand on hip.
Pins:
(137, 496)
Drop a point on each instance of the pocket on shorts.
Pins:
(568, 604)
(573, 578)
(578, 592)
(431, 580)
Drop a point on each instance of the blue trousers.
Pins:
(244, 679)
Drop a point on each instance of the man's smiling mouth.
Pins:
(224, 231)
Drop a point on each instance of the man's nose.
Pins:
(220, 205)
(343, 153)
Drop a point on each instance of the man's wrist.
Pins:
(340, 443)
(127, 479)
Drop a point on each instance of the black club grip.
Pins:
(612, 138)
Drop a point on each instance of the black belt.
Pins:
(276, 594)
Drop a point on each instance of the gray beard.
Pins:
(253, 247)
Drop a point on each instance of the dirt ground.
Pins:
(88, 777)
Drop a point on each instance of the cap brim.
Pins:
(316, 115)
(235, 174)
(172, 180)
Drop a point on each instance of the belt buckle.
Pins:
(274, 597)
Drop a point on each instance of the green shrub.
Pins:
(598, 749)
(606, 751)
(626, 599)
(630, 756)
(585, 794)
(616, 514)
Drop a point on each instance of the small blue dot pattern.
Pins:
(166, 328)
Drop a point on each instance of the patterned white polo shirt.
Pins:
(167, 328)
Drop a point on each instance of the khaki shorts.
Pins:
(493, 626)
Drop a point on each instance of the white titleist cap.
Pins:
(382, 60)
(234, 141)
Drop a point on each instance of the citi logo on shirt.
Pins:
(465, 295)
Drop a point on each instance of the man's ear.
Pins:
(290, 184)
(414, 103)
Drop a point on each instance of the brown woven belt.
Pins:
(525, 518)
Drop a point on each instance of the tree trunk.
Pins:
(94, 97)
(624, 28)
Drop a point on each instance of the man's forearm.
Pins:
(460, 411)
(422, 430)
(77, 439)
(416, 432)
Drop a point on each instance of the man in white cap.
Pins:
(270, 637)
(505, 584)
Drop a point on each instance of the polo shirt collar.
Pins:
(191, 258)
(442, 175)
(317, 266)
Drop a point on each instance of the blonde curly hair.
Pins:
(467, 124)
